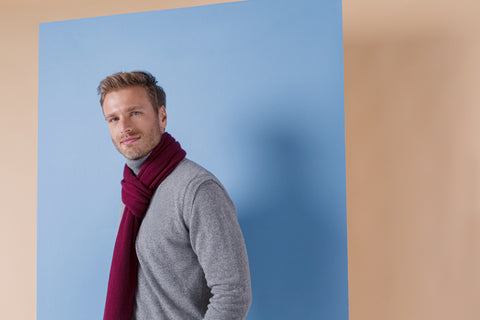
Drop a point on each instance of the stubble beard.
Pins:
(140, 148)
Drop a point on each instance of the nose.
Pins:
(125, 125)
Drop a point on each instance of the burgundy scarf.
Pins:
(137, 192)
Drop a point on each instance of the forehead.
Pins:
(120, 99)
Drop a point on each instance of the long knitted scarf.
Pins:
(137, 192)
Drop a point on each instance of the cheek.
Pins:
(113, 132)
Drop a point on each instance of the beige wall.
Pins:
(413, 161)
(18, 128)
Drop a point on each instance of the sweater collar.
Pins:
(137, 164)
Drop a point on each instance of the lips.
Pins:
(129, 140)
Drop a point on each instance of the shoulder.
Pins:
(191, 174)
(193, 182)
(191, 168)
(185, 180)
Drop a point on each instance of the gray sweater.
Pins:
(192, 258)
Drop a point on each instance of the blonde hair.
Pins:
(142, 79)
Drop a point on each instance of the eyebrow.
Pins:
(129, 109)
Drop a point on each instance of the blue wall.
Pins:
(254, 94)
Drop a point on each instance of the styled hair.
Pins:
(142, 79)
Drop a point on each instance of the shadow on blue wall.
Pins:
(295, 248)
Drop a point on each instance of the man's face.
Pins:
(134, 125)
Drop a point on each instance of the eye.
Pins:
(135, 113)
(113, 119)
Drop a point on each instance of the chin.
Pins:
(132, 154)
(135, 156)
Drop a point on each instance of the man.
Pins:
(179, 252)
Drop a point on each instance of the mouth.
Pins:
(129, 140)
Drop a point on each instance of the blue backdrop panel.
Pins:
(254, 94)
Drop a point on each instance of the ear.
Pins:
(162, 118)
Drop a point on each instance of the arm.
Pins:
(218, 242)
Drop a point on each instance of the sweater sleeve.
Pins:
(218, 242)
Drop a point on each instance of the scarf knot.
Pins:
(135, 195)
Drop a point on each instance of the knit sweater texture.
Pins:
(192, 258)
